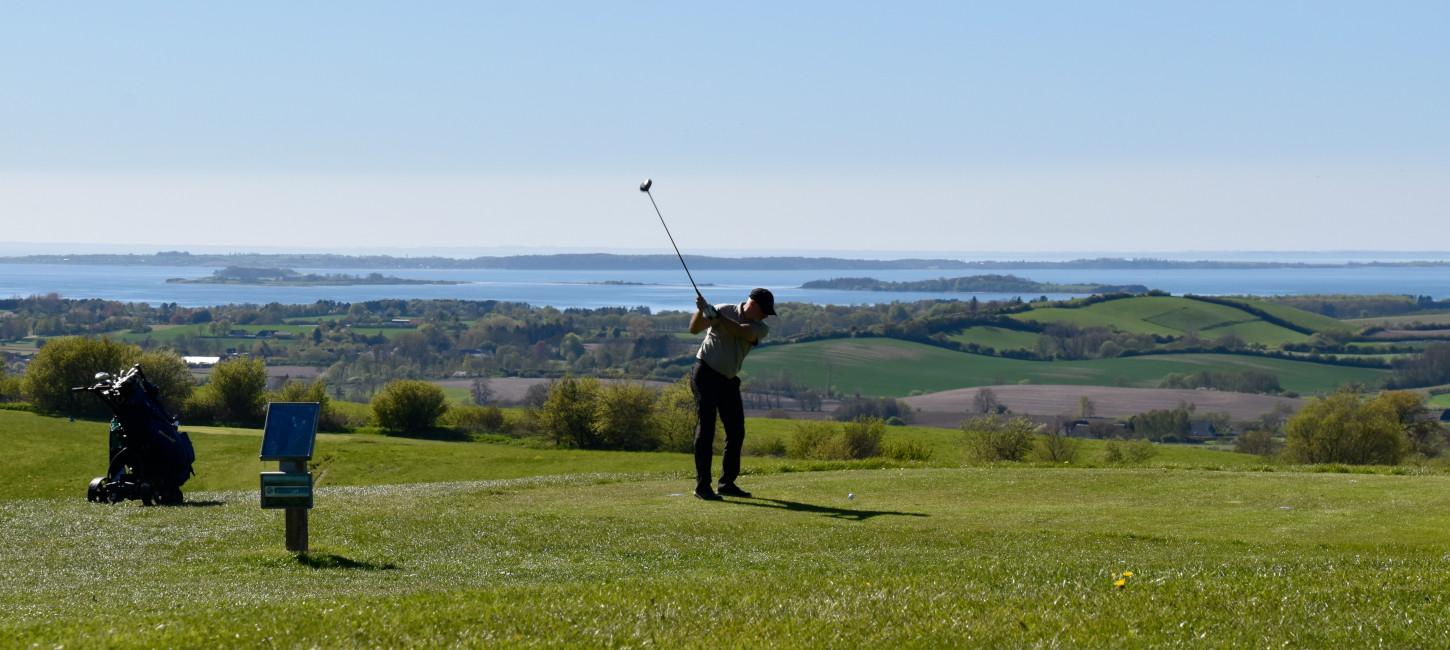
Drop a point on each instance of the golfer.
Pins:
(728, 338)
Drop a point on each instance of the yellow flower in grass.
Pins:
(1120, 583)
(1127, 574)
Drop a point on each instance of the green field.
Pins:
(570, 553)
(1442, 318)
(1168, 316)
(996, 338)
(1441, 401)
(1306, 319)
(889, 367)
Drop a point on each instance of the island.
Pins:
(972, 284)
(291, 278)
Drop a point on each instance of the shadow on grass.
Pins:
(335, 561)
(851, 514)
(199, 504)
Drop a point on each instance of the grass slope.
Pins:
(1168, 316)
(889, 367)
(997, 338)
(926, 558)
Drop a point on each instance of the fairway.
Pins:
(932, 557)
(894, 368)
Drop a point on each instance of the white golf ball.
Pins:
(850, 496)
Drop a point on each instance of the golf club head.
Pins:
(644, 187)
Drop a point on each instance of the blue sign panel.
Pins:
(290, 430)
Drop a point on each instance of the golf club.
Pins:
(645, 187)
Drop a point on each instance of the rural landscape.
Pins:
(719, 325)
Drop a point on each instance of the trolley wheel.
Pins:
(96, 490)
(170, 497)
(146, 493)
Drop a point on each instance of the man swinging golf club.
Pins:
(730, 332)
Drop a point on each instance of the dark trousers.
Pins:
(717, 394)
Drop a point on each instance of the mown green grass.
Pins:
(996, 338)
(1441, 401)
(926, 558)
(1169, 316)
(894, 368)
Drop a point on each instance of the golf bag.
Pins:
(150, 457)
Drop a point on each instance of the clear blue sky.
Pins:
(786, 126)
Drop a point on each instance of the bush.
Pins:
(1055, 447)
(67, 362)
(861, 438)
(624, 418)
(1342, 428)
(470, 418)
(996, 437)
(1135, 451)
(812, 439)
(10, 387)
(909, 450)
(1259, 442)
(567, 414)
(675, 413)
(293, 390)
(764, 447)
(234, 393)
(409, 405)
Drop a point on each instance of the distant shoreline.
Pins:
(607, 262)
(972, 284)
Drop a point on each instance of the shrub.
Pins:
(772, 446)
(234, 393)
(624, 418)
(567, 414)
(996, 437)
(1134, 451)
(675, 415)
(409, 405)
(66, 362)
(861, 438)
(908, 450)
(1342, 428)
(1113, 451)
(812, 439)
(471, 418)
(10, 387)
(1259, 442)
(293, 390)
(1055, 447)
(1139, 451)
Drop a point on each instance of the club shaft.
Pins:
(672, 243)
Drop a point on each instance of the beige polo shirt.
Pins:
(723, 352)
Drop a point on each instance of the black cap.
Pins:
(765, 299)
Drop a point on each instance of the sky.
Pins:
(767, 126)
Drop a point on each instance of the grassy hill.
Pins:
(889, 367)
(929, 557)
(996, 338)
(1169, 316)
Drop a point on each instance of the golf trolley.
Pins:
(150, 457)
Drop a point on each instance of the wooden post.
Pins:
(297, 530)
(296, 517)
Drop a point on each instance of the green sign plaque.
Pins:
(286, 490)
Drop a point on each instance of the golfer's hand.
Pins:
(703, 305)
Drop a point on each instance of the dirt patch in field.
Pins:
(948, 408)
(1405, 335)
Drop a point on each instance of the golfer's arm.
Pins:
(698, 323)
(738, 330)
